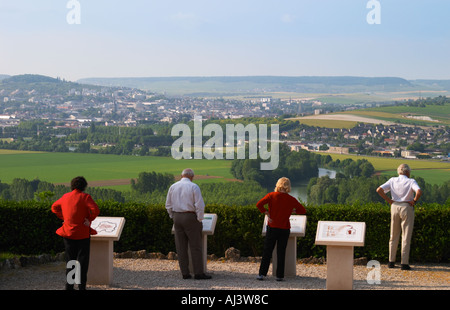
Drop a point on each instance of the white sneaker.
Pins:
(260, 277)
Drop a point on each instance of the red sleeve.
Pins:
(260, 204)
(56, 208)
(300, 209)
(94, 211)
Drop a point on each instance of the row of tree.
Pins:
(297, 166)
(149, 187)
(361, 189)
(351, 168)
(22, 189)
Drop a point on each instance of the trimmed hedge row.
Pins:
(29, 228)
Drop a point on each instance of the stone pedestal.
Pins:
(339, 267)
(340, 238)
(101, 262)
(108, 229)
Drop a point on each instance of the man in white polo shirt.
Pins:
(404, 192)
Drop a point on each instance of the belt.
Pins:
(402, 202)
(185, 212)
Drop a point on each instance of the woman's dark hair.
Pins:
(79, 183)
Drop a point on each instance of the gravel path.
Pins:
(155, 274)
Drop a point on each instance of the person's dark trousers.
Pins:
(278, 237)
(188, 235)
(78, 250)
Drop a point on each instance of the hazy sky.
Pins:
(137, 38)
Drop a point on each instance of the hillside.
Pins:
(40, 83)
(252, 85)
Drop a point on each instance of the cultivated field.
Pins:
(338, 120)
(430, 115)
(433, 172)
(116, 171)
(99, 169)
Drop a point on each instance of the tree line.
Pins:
(22, 189)
(362, 189)
(297, 166)
(148, 187)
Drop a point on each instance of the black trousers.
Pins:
(78, 250)
(278, 237)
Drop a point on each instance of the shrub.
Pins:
(29, 228)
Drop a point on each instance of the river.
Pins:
(298, 190)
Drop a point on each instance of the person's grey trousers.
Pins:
(188, 235)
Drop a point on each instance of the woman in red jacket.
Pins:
(77, 209)
(281, 206)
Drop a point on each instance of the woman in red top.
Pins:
(281, 205)
(77, 210)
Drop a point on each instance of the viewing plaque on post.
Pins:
(340, 233)
(108, 230)
(340, 239)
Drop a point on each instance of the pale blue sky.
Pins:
(225, 38)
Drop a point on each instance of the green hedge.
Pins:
(29, 228)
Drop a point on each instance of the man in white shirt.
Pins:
(404, 192)
(186, 207)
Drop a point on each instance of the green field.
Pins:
(433, 172)
(327, 123)
(440, 114)
(62, 167)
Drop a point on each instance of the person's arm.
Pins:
(92, 206)
(383, 195)
(419, 193)
(261, 203)
(169, 202)
(199, 204)
(300, 209)
(56, 208)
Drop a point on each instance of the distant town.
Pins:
(76, 106)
